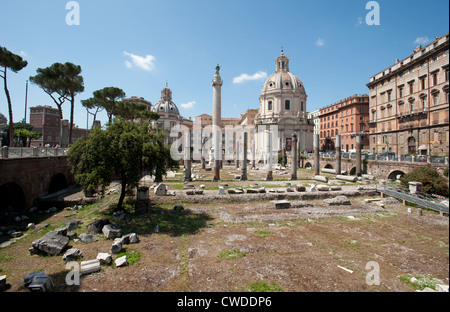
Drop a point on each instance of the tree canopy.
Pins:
(432, 181)
(109, 99)
(14, 62)
(62, 82)
(124, 150)
(26, 136)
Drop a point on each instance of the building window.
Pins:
(301, 106)
(269, 106)
(424, 103)
(435, 79)
(287, 105)
(435, 99)
(411, 88)
(361, 127)
(400, 91)
(423, 84)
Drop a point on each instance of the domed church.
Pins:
(283, 109)
(169, 114)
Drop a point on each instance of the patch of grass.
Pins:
(263, 233)
(6, 258)
(133, 255)
(175, 224)
(263, 286)
(353, 244)
(231, 254)
(421, 283)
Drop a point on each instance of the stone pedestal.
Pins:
(142, 205)
(415, 187)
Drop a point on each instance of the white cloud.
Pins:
(320, 42)
(146, 63)
(245, 77)
(188, 105)
(422, 40)
(24, 54)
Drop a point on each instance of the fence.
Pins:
(419, 198)
(24, 152)
(388, 157)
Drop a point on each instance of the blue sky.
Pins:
(139, 45)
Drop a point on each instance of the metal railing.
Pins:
(29, 152)
(418, 198)
(386, 157)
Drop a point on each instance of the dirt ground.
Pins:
(223, 246)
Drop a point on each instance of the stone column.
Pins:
(5, 150)
(244, 157)
(358, 155)
(203, 160)
(216, 122)
(338, 154)
(269, 156)
(253, 155)
(316, 155)
(294, 158)
(64, 137)
(236, 161)
(187, 157)
(284, 156)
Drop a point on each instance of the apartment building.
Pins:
(348, 117)
(409, 103)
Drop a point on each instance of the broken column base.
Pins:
(142, 206)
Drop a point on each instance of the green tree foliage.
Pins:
(26, 136)
(63, 80)
(132, 111)
(14, 62)
(109, 99)
(124, 150)
(16, 126)
(92, 107)
(432, 181)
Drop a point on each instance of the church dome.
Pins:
(283, 94)
(166, 106)
(3, 119)
(282, 78)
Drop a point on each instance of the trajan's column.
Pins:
(216, 122)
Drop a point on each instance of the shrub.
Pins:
(432, 181)
(446, 172)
